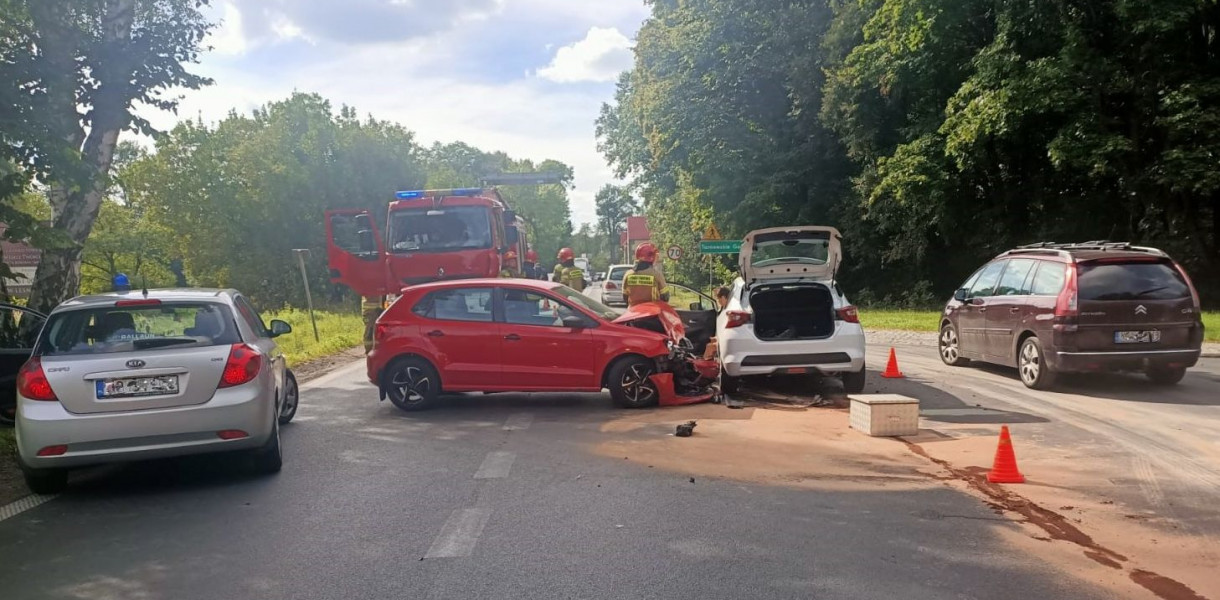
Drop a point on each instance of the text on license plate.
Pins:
(135, 387)
(1136, 337)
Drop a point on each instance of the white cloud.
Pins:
(601, 56)
(228, 39)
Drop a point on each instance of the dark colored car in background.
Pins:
(1056, 308)
(19, 327)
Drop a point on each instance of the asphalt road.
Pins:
(502, 496)
(491, 497)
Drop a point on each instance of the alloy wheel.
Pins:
(948, 345)
(636, 386)
(412, 384)
(291, 397)
(1030, 364)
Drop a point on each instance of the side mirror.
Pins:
(573, 322)
(960, 295)
(696, 306)
(279, 328)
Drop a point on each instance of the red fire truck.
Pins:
(429, 235)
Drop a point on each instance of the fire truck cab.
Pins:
(429, 235)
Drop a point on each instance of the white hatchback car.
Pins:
(786, 315)
(132, 376)
(612, 285)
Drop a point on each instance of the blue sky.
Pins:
(523, 76)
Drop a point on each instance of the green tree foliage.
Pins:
(72, 72)
(614, 204)
(934, 133)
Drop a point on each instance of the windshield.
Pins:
(805, 250)
(1131, 281)
(433, 230)
(110, 329)
(590, 304)
(617, 273)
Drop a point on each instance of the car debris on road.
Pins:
(686, 429)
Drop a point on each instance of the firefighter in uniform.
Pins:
(510, 265)
(567, 273)
(644, 283)
(530, 269)
(370, 307)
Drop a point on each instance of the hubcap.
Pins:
(636, 386)
(948, 345)
(290, 399)
(1031, 363)
(412, 384)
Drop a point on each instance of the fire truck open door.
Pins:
(355, 252)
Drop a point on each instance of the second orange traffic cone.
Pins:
(891, 368)
(1004, 469)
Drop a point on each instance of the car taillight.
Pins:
(849, 314)
(1194, 294)
(144, 302)
(737, 318)
(1067, 304)
(380, 332)
(244, 363)
(610, 285)
(32, 382)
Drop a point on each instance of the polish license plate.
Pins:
(135, 387)
(1137, 337)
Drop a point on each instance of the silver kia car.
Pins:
(139, 375)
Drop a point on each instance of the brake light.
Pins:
(1067, 305)
(737, 318)
(380, 332)
(59, 450)
(144, 302)
(231, 434)
(244, 363)
(32, 382)
(1194, 293)
(849, 314)
(611, 286)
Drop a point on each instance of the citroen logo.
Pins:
(135, 363)
(1141, 310)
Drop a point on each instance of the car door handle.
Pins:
(512, 337)
(982, 309)
(436, 333)
(1014, 310)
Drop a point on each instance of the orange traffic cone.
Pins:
(891, 368)
(1004, 470)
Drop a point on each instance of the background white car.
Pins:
(786, 315)
(612, 286)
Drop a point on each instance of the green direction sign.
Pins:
(720, 246)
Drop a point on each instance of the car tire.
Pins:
(728, 383)
(853, 381)
(949, 345)
(629, 384)
(45, 481)
(1032, 368)
(412, 384)
(269, 459)
(292, 398)
(1166, 375)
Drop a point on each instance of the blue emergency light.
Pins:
(413, 194)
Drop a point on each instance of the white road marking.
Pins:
(519, 422)
(957, 412)
(460, 533)
(17, 507)
(496, 465)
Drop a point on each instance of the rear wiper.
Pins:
(1149, 291)
(162, 342)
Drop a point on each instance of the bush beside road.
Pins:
(338, 332)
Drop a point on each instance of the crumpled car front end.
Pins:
(682, 377)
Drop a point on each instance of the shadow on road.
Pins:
(1198, 388)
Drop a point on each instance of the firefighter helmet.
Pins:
(566, 254)
(646, 252)
(531, 256)
(511, 255)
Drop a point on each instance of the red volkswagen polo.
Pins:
(521, 335)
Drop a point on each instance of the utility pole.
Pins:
(301, 254)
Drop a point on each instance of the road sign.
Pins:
(711, 233)
(674, 253)
(720, 247)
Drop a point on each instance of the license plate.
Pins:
(135, 387)
(1137, 337)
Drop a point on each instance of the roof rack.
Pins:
(1100, 245)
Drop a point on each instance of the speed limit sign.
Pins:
(674, 253)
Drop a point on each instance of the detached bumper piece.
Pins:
(696, 388)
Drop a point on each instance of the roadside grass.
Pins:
(8, 443)
(337, 332)
(901, 320)
(929, 320)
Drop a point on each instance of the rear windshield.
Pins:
(446, 228)
(110, 329)
(1131, 281)
(778, 248)
(617, 273)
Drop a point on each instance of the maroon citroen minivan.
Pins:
(1094, 306)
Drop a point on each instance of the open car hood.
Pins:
(809, 252)
(659, 312)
